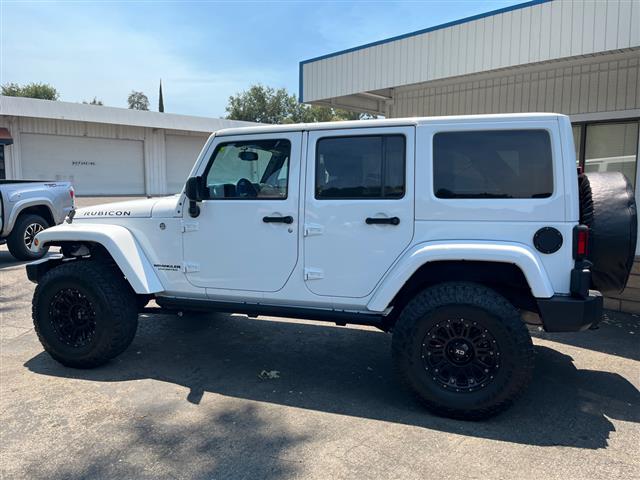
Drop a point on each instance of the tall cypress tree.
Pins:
(160, 100)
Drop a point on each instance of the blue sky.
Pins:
(204, 51)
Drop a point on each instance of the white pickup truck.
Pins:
(26, 208)
(452, 233)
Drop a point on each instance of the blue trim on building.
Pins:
(531, 3)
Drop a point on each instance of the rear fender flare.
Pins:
(506, 252)
(118, 241)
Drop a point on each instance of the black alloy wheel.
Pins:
(460, 355)
(73, 317)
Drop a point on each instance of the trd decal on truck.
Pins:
(108, 213)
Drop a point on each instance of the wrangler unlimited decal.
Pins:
(164, 266)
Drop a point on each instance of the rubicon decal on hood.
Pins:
(129, 209)
(108, 213)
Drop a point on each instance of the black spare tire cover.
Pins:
(608, 208)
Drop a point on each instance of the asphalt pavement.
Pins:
(226, 396)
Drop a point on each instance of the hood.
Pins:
(129, 209)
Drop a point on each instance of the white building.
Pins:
(577, 57)
(102, 150)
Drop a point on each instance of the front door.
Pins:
(245, 237)
(359, 213)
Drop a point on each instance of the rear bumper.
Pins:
(570, 314)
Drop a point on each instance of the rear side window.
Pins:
(492, 164)
(371, 166)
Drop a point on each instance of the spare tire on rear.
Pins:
(608, 208)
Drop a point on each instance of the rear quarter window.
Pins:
(492, 164)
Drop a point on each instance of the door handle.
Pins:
(288, 219)
(382, 221)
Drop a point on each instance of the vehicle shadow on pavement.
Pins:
(232, 443)
(348, 371)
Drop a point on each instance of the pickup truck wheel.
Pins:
(84, 313)
(21, 237)
(463, 350)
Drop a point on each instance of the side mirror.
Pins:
(194, 189)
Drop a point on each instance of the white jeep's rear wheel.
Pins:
(84, 313)
(463, 350)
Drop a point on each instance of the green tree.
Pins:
(160, 99)
(138, 101)
(95, 101)
(43, 91)
(269, 105)
(260, 104)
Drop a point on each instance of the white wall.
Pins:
(181, 152)
(539, 33)
(608, 83)
(160, 150)
(91, 164)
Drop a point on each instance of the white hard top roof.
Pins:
(392, 122)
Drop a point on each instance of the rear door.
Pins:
(359, 212)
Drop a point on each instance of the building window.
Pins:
(368, 166)
(612, 147)
(492, 164)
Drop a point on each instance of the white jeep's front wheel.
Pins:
(84, 313)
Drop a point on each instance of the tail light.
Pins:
(72, 192)
(580, 242)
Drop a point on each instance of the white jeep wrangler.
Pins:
(452, 233)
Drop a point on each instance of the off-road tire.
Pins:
(15, 240)
(494, 313)
(112, 300)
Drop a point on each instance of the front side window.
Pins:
(493, 164)
(250, 169)
(371, 166)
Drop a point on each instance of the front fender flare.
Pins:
(505, 252)
(118, 241)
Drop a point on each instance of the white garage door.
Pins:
(182, 152)
(96, 166)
